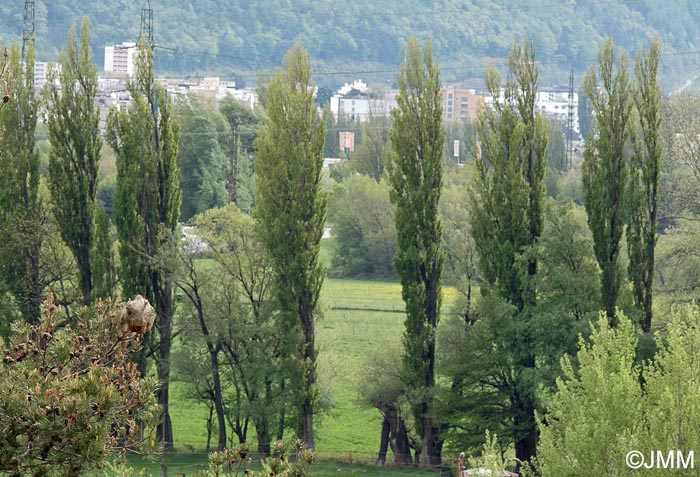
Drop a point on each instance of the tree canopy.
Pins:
(245, 35)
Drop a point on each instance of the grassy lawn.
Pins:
(195, 464)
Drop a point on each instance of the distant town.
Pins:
(356, 100)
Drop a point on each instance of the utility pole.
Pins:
(147, 37)
(147, 24)
(570, 122)
(28, 30)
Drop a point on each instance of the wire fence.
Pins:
(386, 309)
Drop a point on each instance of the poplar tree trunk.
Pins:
(383, 442)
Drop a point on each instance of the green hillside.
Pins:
(349, 39)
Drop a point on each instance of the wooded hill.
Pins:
(365, 37)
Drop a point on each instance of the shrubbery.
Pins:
(70, 398)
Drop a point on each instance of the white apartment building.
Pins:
(119, 59)
(554, 104)
(41, 71)
(354, 101)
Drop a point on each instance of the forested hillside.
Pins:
(242, 37)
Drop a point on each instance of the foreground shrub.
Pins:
(70, 398)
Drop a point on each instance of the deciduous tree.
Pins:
(415, 175)
(21, 212)
(147, 206)
(596, 413)
(291, 209)
(73, 123)
(363, 226)
(645, 174)
(605, 166)
(507, 219)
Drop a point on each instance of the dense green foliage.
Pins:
(477, 342)
(248, 287)
(291, 212)
(103, 260)
(415, 175)
(506, 219)
(147, 206)
(20, 205)
(606, 166)
(601, 410)
(645, 175)
(249, 35)
(362, 220)
(202, 158)
(73, 122)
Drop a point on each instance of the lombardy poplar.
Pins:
(74, 133)
(605, 166)
(20, 206)
(147, 206)
(291, 209)
(415, 175)
(645, 175)
(507, 218)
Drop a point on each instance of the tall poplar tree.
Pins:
(506, 219)
(20, 206)
(605, 166)
(147, 207)
(415, 175)
(291, 208)
(645, 174)
(74, 134)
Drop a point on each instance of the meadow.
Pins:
(358, 318)
(193, 465)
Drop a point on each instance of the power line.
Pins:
(501, 63)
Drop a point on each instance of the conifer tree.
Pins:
(506, 219)
(147, 206)
(73, 123)
(20, 205)
(415, 175)
(645, 174)
(291, 208)
(605, 166)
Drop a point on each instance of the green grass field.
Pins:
(358, 318)
(351, 329)
(192, 465)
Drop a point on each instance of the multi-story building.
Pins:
(554, 104)
(41, 72)
(119, 59)
(460, 104)
(355, 101)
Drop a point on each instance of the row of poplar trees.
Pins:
(620, 177)
(146, 205)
